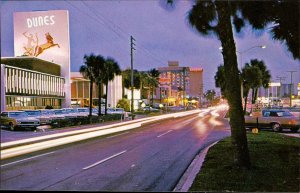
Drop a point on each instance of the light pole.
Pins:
(241, 60)
(241, 63)
(291, 86)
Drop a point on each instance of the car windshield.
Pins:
(70, 111)
(58, 112)
(18, 114)
(33, 113)
(83, 110)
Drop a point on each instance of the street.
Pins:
(149, 158)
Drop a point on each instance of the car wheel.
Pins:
(11, 126)
(276, 127)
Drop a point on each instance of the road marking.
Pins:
(104, 160)
(117, 135)
(27, 159)
(165, 133)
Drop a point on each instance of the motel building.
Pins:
(31, 83)
(80, 91)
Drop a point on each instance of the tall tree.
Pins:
(98, 73)
(153, 81)
(144, 84)
(265, 78)
(210, 95)
(214, 18)
(218, 17)
(111, 69)
(220, 80)
(252, 78)
(87, 72)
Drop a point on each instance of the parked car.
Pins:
(18, 119)
(86, 111)
(276, 119)
(115, 111)
(147, 108)
(62, 112)
(70, 113)
(44, 118)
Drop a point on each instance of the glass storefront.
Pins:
(27, 89)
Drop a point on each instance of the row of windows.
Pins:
(13, 101)
(27, 82)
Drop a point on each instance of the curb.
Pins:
(191, 172)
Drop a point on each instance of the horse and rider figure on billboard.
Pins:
(33, 48)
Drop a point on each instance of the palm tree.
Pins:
(265, 79)
(87, 72)
(144, 83)
(153, 81)
(210, 95)
(98, 73)
(252, 78)
(213, 17)
(111, 68)
(220, 80)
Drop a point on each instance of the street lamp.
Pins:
(242, 52)
(241, 63)
(241, 60)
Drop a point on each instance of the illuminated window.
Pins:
(6, 72)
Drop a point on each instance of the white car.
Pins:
(44, 118)
(115, 111)
(147, 108)
(20, 120)
(86, 111)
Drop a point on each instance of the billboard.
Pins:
(45, 35)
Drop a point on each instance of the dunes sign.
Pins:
(44, 34)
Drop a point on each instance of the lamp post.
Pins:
(291, 85)
(241, 63)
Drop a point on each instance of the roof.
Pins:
(32, 63)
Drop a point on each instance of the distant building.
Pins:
(177, 84)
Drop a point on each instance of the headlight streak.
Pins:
(81, 135)
(8, 153)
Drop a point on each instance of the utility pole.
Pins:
(291, 87)
(280, 78)
(132, 87)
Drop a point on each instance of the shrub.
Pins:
(124, 103)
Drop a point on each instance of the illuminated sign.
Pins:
(45, 34)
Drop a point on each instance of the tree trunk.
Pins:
(106, 90)
(255, 95)
(152, 96)
(91, 97)
(237, 120)
(252, 101)
(99, 97)
(245, 108)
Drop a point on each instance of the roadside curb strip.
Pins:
(191, 172)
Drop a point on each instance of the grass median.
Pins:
(275, 166)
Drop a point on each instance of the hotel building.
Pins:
(30, 83)
(177, 83)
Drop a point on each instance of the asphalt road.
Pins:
(149, 158)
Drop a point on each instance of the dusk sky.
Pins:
(162, 35)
